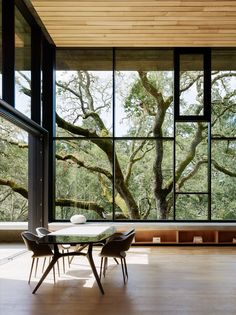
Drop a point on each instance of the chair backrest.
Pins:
(118, 235)
(30, 241)
(127, 240)
(130, 231)
(117, 245)
(42, 231)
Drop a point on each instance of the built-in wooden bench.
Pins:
(148, 233)
(176, 233)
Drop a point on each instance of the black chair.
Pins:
(116, 247)
(39, 250)
(42, 231)
(124, 233)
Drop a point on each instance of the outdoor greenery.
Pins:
(143, 161)
(14, 173)
(131, 160)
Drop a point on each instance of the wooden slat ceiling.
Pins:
(131, 23)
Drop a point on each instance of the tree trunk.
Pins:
(159, 193)
(106, 146)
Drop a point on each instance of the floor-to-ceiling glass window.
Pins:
(191, 135)
(223, 134)
(22, 64)
(0, 49)
(84, 143)
(14, 172)
(144, 129)
(122, 152)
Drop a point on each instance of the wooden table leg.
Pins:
(90, 259)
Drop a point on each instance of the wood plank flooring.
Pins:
(162, 280)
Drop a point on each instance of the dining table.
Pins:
(82, 237)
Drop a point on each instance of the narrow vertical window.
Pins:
(192, 84)
(22, 64)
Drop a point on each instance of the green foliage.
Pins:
(140, 109)
(75, 182)
(84, 171)
(14, 167)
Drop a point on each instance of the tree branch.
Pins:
(150, 88)
(191, 174)
(67, 88)
(222, 76)
(189, 156)
(75, 129)
(15, 187)
(20, 145)
(191, 83)
(133, 160)
(222, 113)
(223, 169)
(119, 201)
(192, 151)
(80, 163)
(85, 205)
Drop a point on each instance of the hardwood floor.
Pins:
(162, 280)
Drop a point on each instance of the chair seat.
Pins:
(121, 254)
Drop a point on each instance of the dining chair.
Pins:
(38, 250)
(116, 247)
(123, 233)
(42, 231)
(117, 235)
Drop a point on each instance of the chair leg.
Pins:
(36, 267)
(71, 259)
(116, 261)
(68, 258)
(31, 269)
(63, 261)
(121, 260)
(101, 264)
(54, 277)
(58, 268)
(44, 262)
(105, 266)
(126, 270)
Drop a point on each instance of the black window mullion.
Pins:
(8, 52)
(207, 115)
(49, 113)
(207, 85)
(36, 75)
(113, 133)
(209, 170)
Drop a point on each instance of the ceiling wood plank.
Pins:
(132, 23)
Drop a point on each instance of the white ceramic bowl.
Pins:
(78, 219)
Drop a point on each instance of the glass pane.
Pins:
(14, 173)
(223, 118)
(83, 179)
(135, 180)
(144, 86)
(22, 64)
(223, 78)
(191, 157)
(223, 180)
(191, 207)
(0, 48)
(191, 85)
(84, 93)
